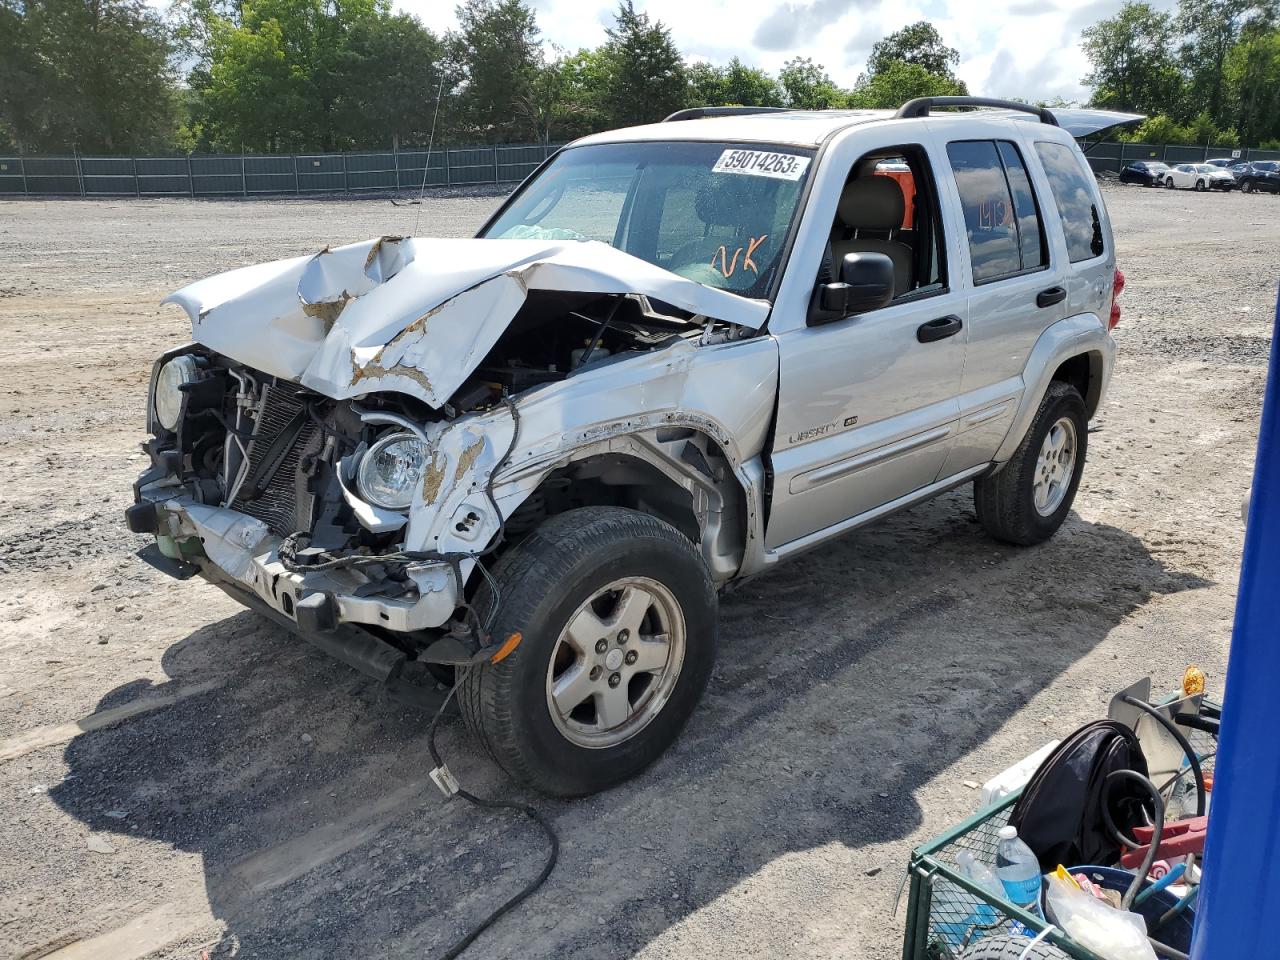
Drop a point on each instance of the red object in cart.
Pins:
(1179, 838)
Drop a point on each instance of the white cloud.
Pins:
(1028, 48)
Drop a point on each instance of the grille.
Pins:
(284, 506)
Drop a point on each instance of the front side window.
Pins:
(717, 213)
(1075, 192)
(1001, 217)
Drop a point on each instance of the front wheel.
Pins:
(1168, 182)
(617, 615)
(1246, 187)
(1200, 186)
(1026, 500)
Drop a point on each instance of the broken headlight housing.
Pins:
(169, 397)
(391, 469)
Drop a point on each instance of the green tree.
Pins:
(1134, 67)
(919, 44)
(277, 74)
(807, 86)
(1252, 70)
(749, 86)
(395, 75)
(645, 76)
(94, 75)
(498, 52)
(899, 82)
(706, 85)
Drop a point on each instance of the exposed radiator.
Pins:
(284, 505)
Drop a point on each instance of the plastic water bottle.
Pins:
(984, 915)
(1019, 871)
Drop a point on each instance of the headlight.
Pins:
(173, 375)
(391, 469)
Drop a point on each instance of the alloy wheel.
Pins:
(1054, 467)
(616, 663)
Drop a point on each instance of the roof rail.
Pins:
(921, 106)
(697, 113)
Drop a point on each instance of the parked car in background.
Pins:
(1199, 176)
(1149, 173)
(1226, 163)
(1260, 175)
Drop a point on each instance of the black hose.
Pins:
(529, 888)
(1203, 724)
(1157, 832)
(1182, 742)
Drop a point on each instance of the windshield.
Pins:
(1267, 166)
(717, 213)
(1207, 168)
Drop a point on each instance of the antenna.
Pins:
(426, 164)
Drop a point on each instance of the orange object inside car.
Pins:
(908, 184)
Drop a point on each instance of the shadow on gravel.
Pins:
(846, 680)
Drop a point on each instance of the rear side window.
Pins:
(1076, 195)
(1001, 219)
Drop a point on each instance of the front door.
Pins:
(867, 406)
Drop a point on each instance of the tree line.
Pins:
(268, 76)
(299, 75)
(1207, 74)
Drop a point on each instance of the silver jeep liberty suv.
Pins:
(521, 466)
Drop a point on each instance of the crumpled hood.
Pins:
(410, 314)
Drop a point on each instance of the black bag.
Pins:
(1059, 815)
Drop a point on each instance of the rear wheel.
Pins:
(1026, 500)
(617, 615)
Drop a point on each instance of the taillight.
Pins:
(1117, 287)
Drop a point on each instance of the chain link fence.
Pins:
(222, 175)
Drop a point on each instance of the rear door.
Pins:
(1017, 284)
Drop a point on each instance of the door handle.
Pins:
(1047, 298)
(938, 329)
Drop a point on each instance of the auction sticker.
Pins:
(762, 163)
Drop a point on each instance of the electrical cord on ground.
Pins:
(444, 779)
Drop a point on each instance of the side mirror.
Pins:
(866, 283)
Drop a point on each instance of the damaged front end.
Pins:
(351, 433)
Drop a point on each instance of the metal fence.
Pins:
(221, 175)
(209, 175)
(1112, 157)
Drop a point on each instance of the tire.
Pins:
(1005, 501)
(1011, 948)
(1169, 184)
(1246, 187)
(545, 583)
(1200, 187)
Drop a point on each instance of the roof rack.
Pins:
(921, 106)
(697, 113)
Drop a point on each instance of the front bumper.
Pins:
(229, 547)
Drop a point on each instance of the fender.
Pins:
(1085, 333)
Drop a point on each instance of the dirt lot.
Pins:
(177, 776)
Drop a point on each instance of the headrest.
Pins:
(730, 200)
(872, 203)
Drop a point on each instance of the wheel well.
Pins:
(683, 478)
(1084, 372)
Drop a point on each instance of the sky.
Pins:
(1023, 48)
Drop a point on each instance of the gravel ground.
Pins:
(177, 776)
